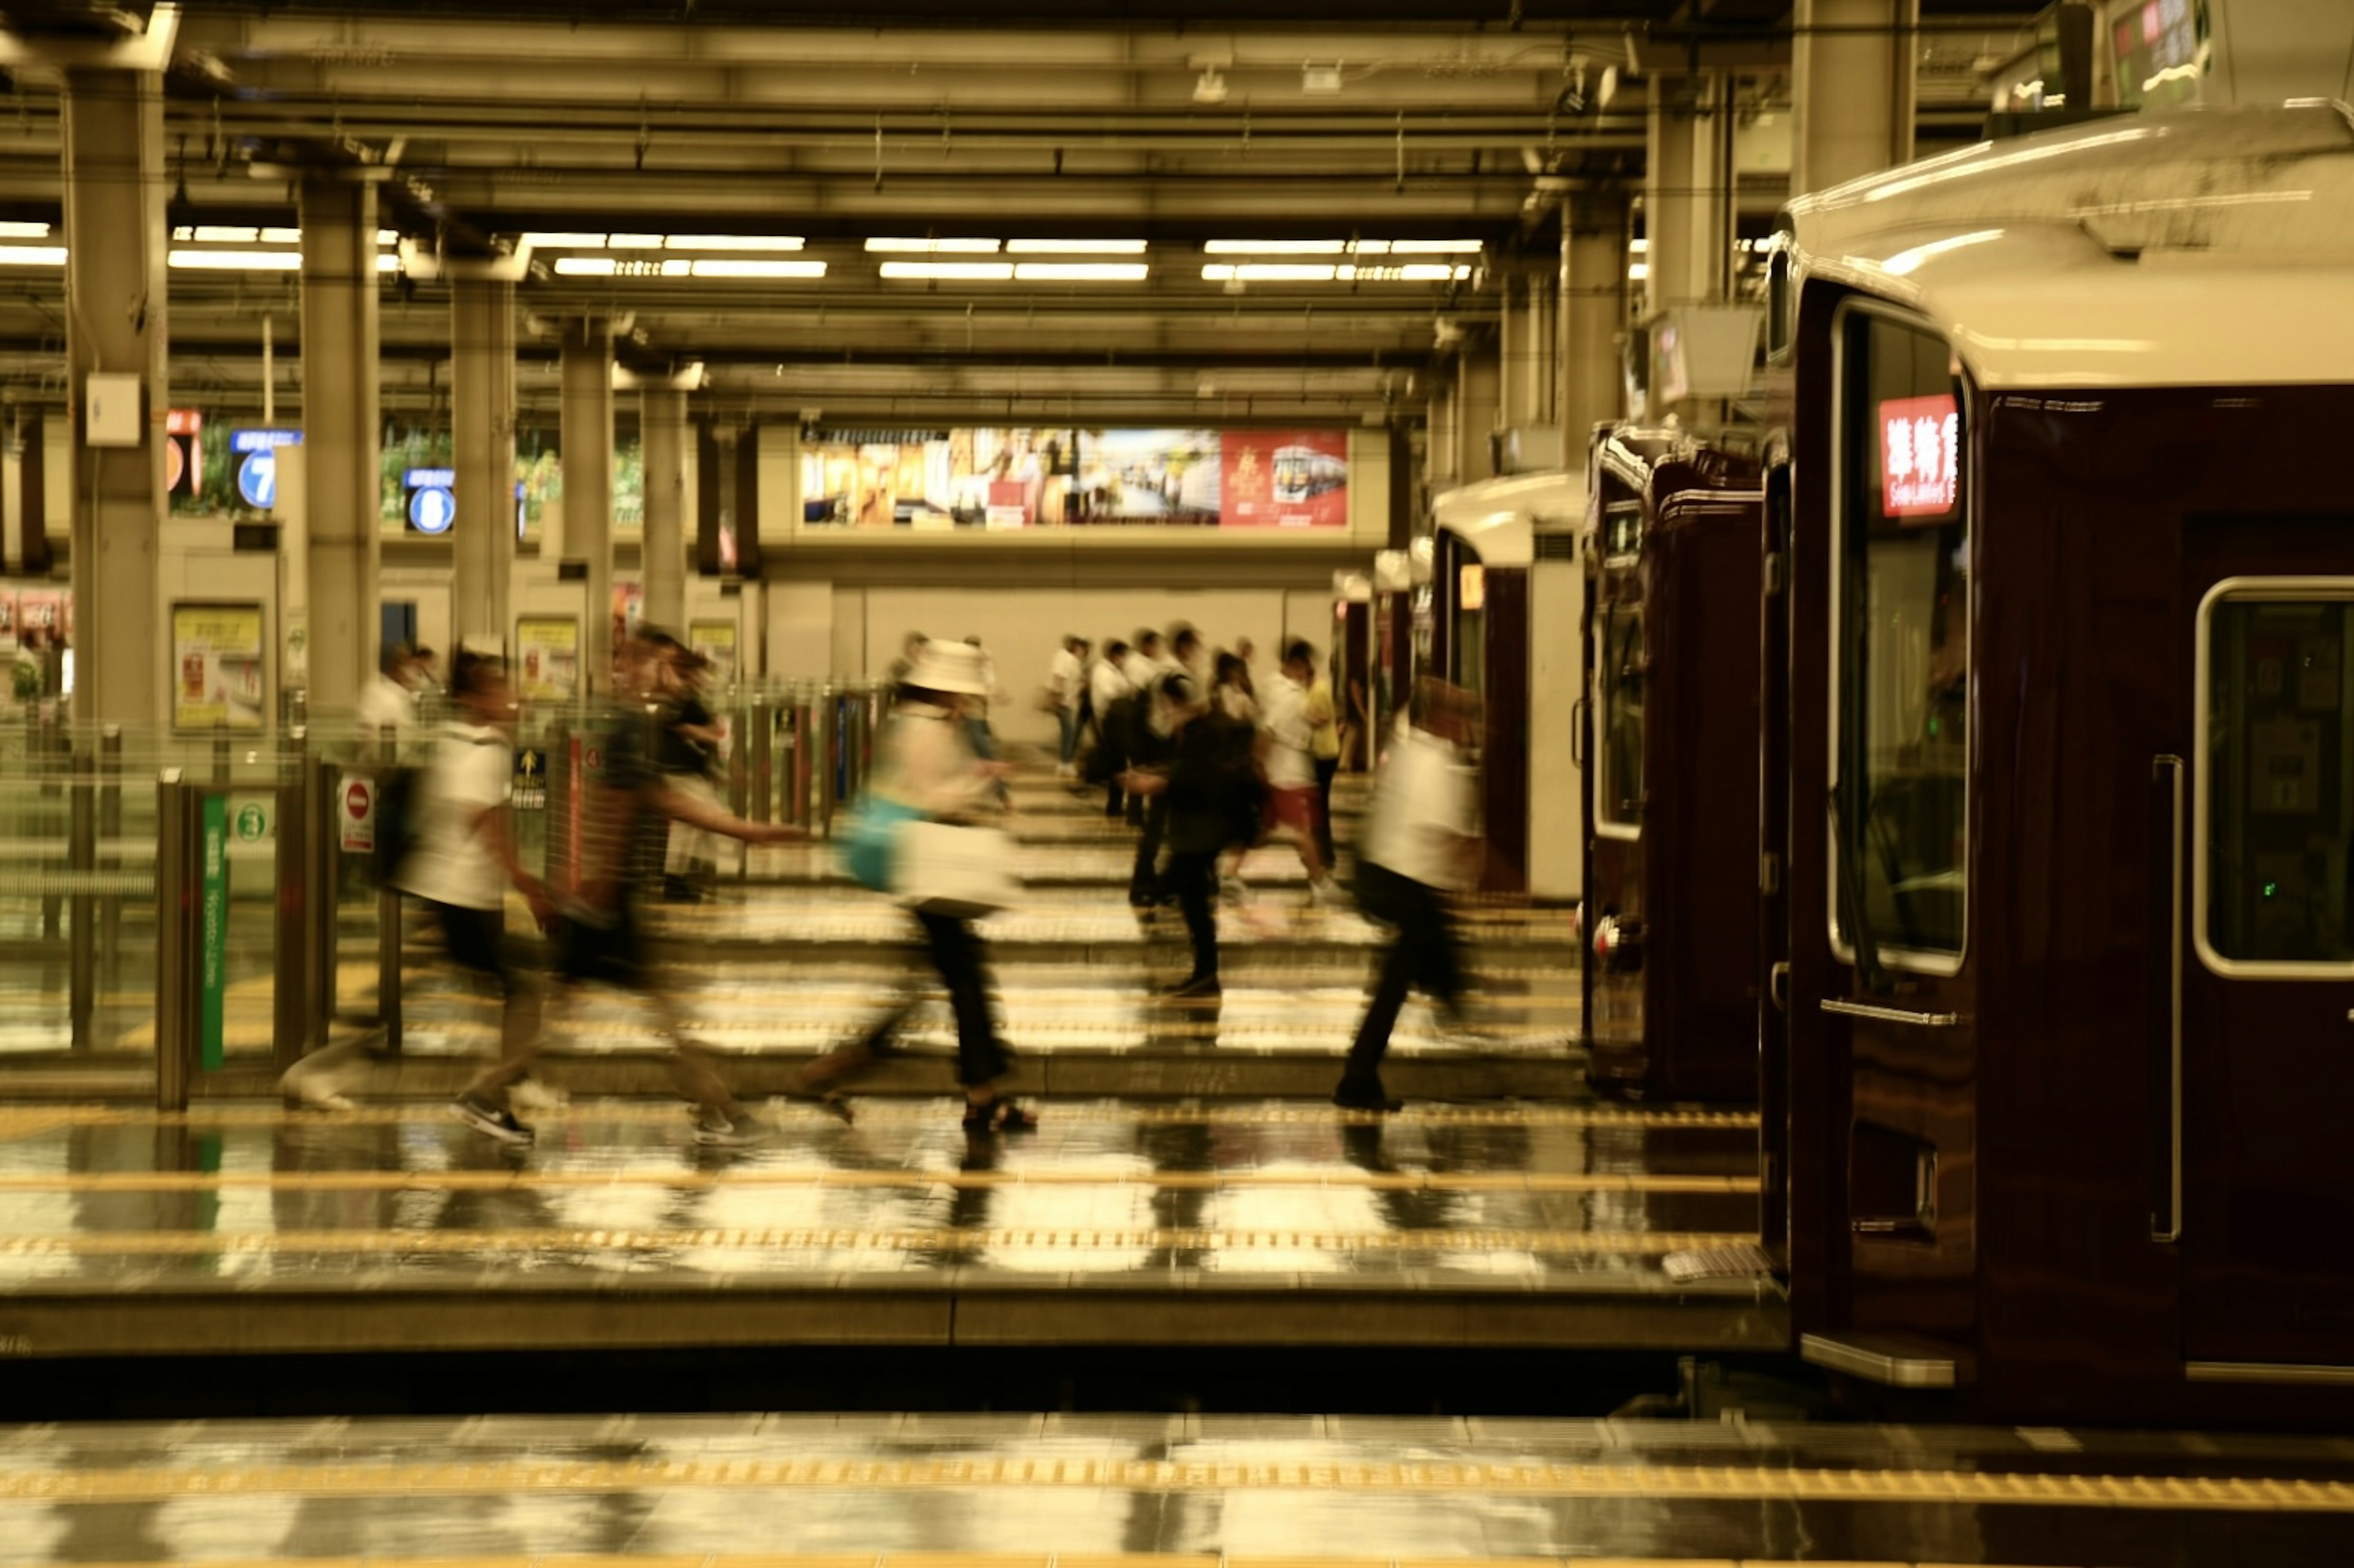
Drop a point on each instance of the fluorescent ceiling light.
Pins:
(565, 241)
(1266, 273)
(633, 241)
(1082, 272)
(217, 233)
(285, 237)
(677, 268)
(584, 266)
(237, 260)
(1638, 272)
(1276, 246)
(14, 230)
(961, 271)
(732, 241)
(1412, 272)
(32, 255)
(730, 268)
(1075, 247)
(383, 236)
(1640, 247)
(388, 262)
(1433, 247)
(936, 247)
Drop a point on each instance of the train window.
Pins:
(1618, 746)
(2275, 835)
(1622, 530)
(1781, 299)
(1901, 648)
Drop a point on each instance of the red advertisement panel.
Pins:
(1284, 479)
(1920, 449)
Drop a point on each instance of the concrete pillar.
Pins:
(1478, 388)
(1854, 79)
(1544, 340)
(482, 426)
(342, 474)
(662, 428)
(587, 416)
(1688, 192)
(114, 189)
(1592, 318)
(1507, 352)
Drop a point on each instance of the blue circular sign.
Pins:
(431, 509)
(256, 480)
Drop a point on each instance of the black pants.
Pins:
(1114, 801)
(957, 954)
(1422, 951)
(1144, 882)
(1193, 878)
(1326, 766)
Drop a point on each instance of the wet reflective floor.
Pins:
(1495, 1225)
(1081, 1491)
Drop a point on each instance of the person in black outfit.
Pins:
(1198, 792)
(1151, 743)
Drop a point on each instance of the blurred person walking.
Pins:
(1324, 755)
(1288, 754)
(387, 705)
(926, 762)
(1201, 785)
(627, 808)
(687, 752)
(1418, 847)
(1066, 688)
(1232, 694)
(460, 862)
(1111, 695)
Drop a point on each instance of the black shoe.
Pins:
(1201, 988)
(1365, 1097)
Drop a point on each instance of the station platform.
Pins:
(1198, 1491)
(249, 1228)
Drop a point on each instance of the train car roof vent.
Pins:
(1556, 546)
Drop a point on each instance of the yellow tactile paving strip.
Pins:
(831, 1176)
(25, 1121)
(994, 1560)
(1439, 1477)
(1077, 1240)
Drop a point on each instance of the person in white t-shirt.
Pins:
(1419, 845)
(387, 705)
(1107, 682)
(1065, 682)
(1287, 742)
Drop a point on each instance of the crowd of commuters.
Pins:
(1206, 758)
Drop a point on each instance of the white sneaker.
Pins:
(1326, 894)
(537, 1100)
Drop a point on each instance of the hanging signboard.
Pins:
(1920, 449)
(218, 652)
(549, 650)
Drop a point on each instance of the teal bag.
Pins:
(867, 839)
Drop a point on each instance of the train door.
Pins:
(2253, 1185)
(1883, 1046)
(1614, 877)
(1774, 860)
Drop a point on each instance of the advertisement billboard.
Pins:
(984, 477)
(1168, 477)
(1284, 479)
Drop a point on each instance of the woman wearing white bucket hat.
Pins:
(928, 763)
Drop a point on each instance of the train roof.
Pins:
(2197, 248)
(1503, 516)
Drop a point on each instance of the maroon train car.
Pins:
(1670, 966)
(2065, 954)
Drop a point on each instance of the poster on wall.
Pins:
(937, 478)
(715, 641)
(1167, 477)
(1284, 479)
(218, 666)
(547, 653)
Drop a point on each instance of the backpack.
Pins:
(396, 826)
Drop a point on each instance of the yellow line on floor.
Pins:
(1652, 1483)
(835, 1176)
(991, 1560)
(1074, 1240)
(18, 1121)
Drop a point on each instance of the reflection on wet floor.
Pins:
(1082, 1491)
(101, 1194)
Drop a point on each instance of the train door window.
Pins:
(1618, 746)
(1469, 631)
(1622, 530)
(1900, 660)
(2275, 834)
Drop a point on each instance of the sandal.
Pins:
(999, 1116)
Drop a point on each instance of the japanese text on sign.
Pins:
(1920, 455)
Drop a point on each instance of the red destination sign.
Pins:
(1920, 450)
